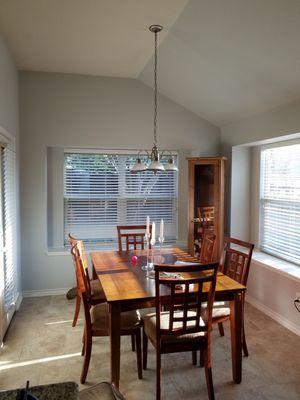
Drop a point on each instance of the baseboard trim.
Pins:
(274, 315)
(45, 292)
(19, 300)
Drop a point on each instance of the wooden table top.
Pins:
(123, 280)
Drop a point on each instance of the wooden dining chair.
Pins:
(206, 216)
(134, 236)
(207, 248)
(97, 319)
(235, 263)
(186, 325)
(97, 294)
(206, 213)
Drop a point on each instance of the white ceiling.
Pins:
(97, 37)
(225, 60)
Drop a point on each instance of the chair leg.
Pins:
(87, 357)
(194, 357)
(221, 329)
(133, 342)
(201, 358)
(83, 343)
(139, 354)
(245, 348)
(145, 350)
(158, 374)
(209, 383)
(77, 309)
(208, 376)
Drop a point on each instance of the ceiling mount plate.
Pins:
(155, 28)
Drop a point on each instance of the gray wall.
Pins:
(65, 110)
(278, 122)
(8, 91)
(9, 115)
(240, 192)
(268, 289)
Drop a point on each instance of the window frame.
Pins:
(262, 200)
(121, 152)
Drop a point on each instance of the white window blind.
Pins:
(9, 226)
(280, 202)
(101, 193)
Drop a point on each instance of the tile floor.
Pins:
(42, 346)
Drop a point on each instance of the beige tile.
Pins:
(42, 346)
(17, 376)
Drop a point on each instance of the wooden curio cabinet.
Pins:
(206, 202)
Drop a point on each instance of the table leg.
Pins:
(115, 325)
(95, 276)
(236, 327)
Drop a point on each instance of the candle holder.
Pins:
(147, 241)
(151, 258)
(161, 240)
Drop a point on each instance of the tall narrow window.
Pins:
(101, 193)
(280, 202)
(9, 226)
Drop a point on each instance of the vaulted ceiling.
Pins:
(223, 60)
(94, 37)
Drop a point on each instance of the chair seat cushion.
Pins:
(101, 391)
(220, 312)
(100, 318)
(221, 309)
(150, 328)
(97, 291)
(221, 304)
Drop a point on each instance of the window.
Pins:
(8, 237)
(9, 226)
(100, 193)
(280, 202)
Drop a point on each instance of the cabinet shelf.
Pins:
(206, 202)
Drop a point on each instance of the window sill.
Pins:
(63, 251)
(276, 264)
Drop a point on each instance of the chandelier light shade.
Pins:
(139, 166)
(171, 165)
(154, 155)
(156, 166)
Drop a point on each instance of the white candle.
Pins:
(161, 229)
(153, 231)
(148, 226)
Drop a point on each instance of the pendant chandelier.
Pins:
(155, 155)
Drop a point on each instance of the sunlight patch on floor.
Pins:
(67, 321)
(37, 361)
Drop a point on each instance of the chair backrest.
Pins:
(81, 266)
(72, 241)
(236, 259)
(206, 214)
(134, 236)
(197, 285)
(81, 250)
(207, 248)
(83, 281)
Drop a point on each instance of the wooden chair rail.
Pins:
(132, 238)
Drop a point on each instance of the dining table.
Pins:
(127, 286)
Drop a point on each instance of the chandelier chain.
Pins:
(155, 92)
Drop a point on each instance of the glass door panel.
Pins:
(204, 203)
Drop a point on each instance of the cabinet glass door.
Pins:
(204, 203)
